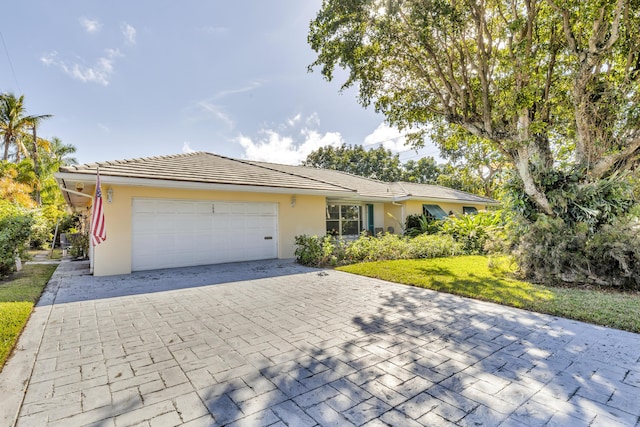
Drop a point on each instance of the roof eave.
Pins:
(61, 177)
(449, 200)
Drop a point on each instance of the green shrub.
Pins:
(317, 252)
(416, 225)
(333, 250)
(383, 247)
(45, 221)
(549, 249)
(14, 234)
(79, 244)
(473, 231)
(329, 250)
(553, 251)
(434, 246)
(309, 250)
(41, 232)
(614, 253)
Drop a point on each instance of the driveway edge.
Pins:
(16, 374)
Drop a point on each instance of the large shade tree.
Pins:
(530, 78)
(550, 87)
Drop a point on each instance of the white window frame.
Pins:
(340, 219)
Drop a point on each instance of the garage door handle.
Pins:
(268, 238)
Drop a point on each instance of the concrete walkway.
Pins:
(274, 343)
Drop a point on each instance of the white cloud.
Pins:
(104, 127)
(275, 147)
(213, 108)
(216, 111)
(101, 72)
(90, 25)
(292, 121)
(390, 138)
(226, 92)
(129, 33)
(313, 120)
(186, 148)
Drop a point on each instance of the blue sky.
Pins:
(145, 78)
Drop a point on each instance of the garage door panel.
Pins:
(175, 233)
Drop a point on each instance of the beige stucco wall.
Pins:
(394, 215)
(114, 255)
(378, 215)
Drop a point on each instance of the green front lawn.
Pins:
(18, 295)
(491, 279)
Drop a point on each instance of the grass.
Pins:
(18, 295)
(491, 279)
(55, 254)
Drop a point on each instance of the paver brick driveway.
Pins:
(273, 343)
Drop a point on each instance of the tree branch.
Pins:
(604, 165)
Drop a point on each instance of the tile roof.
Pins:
(366, 187)
(201, 167)
(205, 168)
(428, 191)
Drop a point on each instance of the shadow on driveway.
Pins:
(274, 342)
(77, 284)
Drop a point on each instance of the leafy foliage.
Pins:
(317, 252)
(15, 230)
(376, 248)
(554, 251)
(416, 225)
(546, 89)
(382, 165)
(377, 163)
(473, 231)
(423, 171)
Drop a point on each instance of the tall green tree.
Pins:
(378, 163)
(552, 87)
(16, 127)
(529, 78)
(56, 154)
(423, 171)
(60, 154)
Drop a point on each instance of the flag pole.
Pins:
(97, 233)
(93, 206)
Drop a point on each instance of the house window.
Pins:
(433, 212)
(469, 210)
(344, 220)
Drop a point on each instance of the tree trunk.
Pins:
(6, 147)
(521, 161)
(36, 167)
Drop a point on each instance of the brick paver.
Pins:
(273, 343)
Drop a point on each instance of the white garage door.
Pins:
(179, 233)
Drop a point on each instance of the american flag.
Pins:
(98, 229)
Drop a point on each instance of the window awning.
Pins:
(435, 211)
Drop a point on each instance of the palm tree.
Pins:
(52, 157)
(14, 124)
(59, 153)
